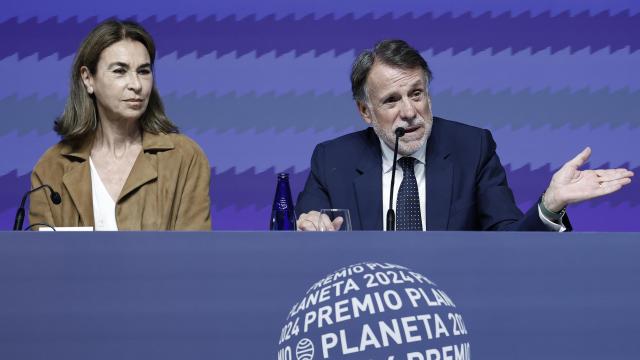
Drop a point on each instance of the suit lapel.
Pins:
(368, 184)
(144, 170)
(77, 182)
(439, 181)
(77, 179)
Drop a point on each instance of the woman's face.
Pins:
(123, 81)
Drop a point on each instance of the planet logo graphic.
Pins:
(304, 350)
(374, 310)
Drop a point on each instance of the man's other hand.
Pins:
(570, 185)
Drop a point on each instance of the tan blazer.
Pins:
(167, 188)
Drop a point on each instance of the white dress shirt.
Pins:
(419, 169)
(104, 208)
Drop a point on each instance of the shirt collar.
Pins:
(387, 155)
(82, 149)
(156, 141)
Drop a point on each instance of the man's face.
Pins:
(398, 98)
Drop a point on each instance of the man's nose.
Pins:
(407, 110)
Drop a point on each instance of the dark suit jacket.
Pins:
(466, 184)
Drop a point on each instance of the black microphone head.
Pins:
(400, 131)
(55, 197)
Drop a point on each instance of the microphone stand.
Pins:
(19, 220)
(391, 215)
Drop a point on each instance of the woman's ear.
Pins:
(87, 79)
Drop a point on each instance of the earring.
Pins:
(90, 90)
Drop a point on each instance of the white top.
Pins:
(104, 208)
(419, 170)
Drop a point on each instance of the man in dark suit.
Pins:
(449, 176)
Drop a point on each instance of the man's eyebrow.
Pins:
(388, 94)
(417, 83)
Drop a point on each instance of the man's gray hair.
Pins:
(395, 53)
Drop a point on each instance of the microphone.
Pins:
(391, 215)
(55, 198)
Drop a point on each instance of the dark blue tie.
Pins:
(408, 204)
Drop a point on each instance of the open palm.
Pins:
(571, 185)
